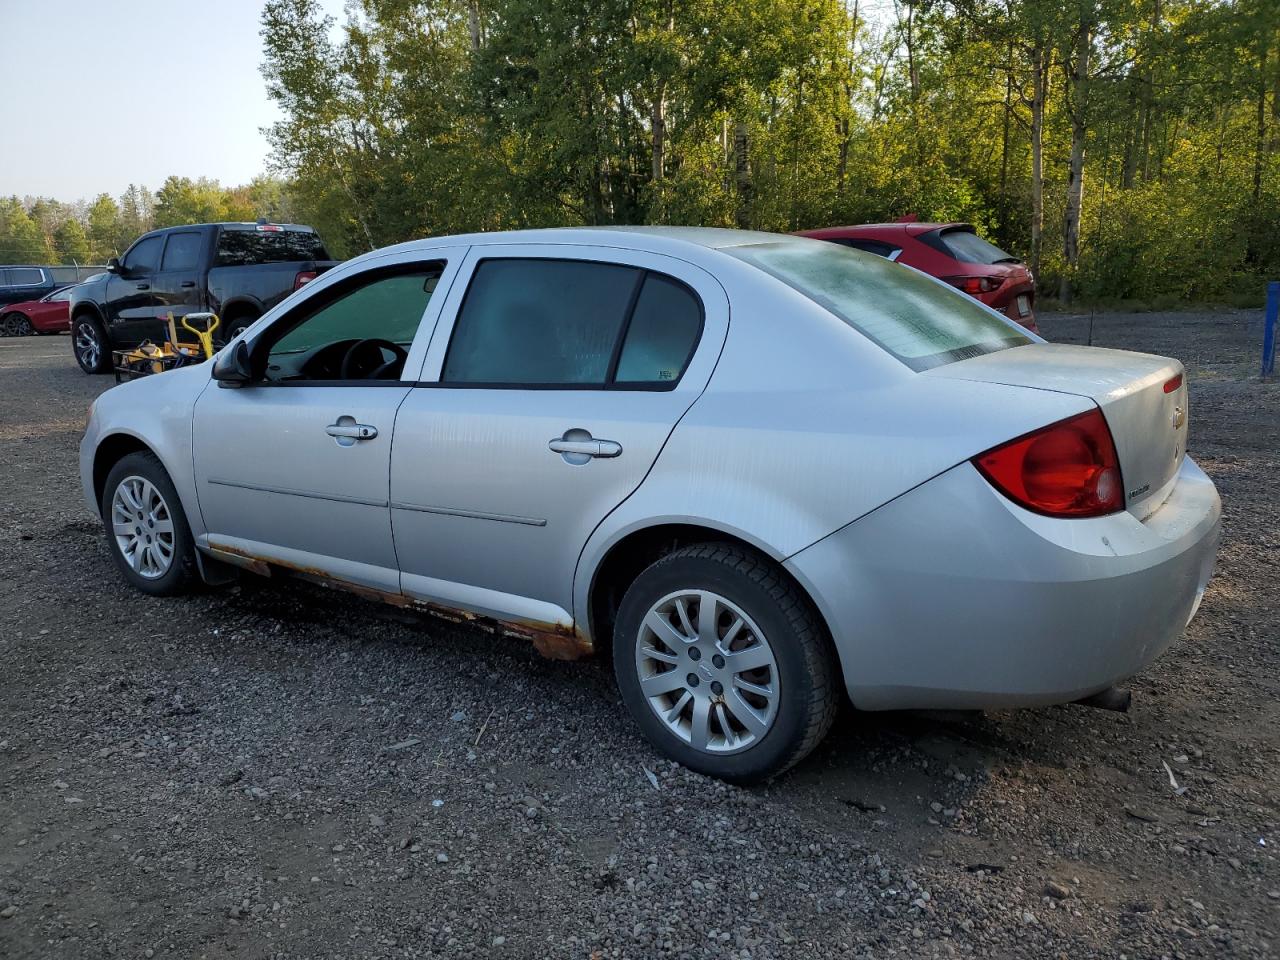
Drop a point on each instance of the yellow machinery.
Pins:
(151, 358)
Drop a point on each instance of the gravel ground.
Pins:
(272, 770)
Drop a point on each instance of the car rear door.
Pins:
(553, 380)
(292, 469)
(176, 284)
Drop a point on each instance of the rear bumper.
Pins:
(953, 597)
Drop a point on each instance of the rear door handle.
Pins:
(144, 286)
(188, 283)
(585, 448)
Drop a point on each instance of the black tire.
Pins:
(808, 675)
(83, 329)
(19, 325)
(232, 329)
(182, 571)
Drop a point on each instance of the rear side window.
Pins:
(919, 320)
(25, 276)
(182, 251)
(239, 248)
(572, 323)
(877, 247)
(663, 331)
(967, 247)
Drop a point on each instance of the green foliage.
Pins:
(69, 242)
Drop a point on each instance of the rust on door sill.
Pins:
(556, 641)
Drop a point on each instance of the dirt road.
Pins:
(276, 771)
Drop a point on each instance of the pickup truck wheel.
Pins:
(724, 663)
(90, 345)
(233, 328)
(146, 527)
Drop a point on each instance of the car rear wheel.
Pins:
(724, 663)
(146, 527)
(90, 345)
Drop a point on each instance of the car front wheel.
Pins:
(90, 345)
(724, 663)
(146, 527)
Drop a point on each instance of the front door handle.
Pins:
(583, 448)
(144, 286)
(188, 283)
(347, 432)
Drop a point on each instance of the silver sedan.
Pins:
(762, 472)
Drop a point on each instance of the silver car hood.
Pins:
(1149, 425)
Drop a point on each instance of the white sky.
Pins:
(98, 94)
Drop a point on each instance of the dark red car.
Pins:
(49, 314)
(952, 252)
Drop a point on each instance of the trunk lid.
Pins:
(1148, 422)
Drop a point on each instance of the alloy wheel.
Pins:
(143, 527)
(20, 326)
(88, 345)
(707, 671)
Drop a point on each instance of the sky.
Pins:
(98, 94)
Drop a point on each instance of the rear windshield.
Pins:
(921, 321)
(967, 247)
(238, 248)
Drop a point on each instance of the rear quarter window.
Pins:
(25, 276)
(919, 320)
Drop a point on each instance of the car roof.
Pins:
(653, 239)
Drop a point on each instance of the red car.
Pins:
(49, 314)
(952, 252)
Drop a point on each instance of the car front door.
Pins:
(555, 377)
(130, 301)
(293, 468)
(176, 284)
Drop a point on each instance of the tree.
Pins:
(104, 228)
(70, 243)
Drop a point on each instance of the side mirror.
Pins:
(233, 367)
(113, 265)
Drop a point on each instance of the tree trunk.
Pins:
(742, 174)
(1075, 167)
(658, 131)
(473, 24)
(1003, 204)
(1260, 144)
(1039, 92)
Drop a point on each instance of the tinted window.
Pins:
(921, 321)
(59, 296)
(25, 276)
(243, 247)
(144, 255)
(182, 252)
(662, 334)
(870, 246)
(540, 322)
(967, 247)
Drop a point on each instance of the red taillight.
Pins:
(1173, 383)
(1067, 469)
(974, 285)
(304, 278)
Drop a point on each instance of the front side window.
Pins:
(59, 296)
(143, 257)
(915, 318)
(359, 330)
(182, 252)
(571, 323)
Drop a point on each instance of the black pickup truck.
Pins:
(236, 270)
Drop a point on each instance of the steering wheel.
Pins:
(363, 362)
